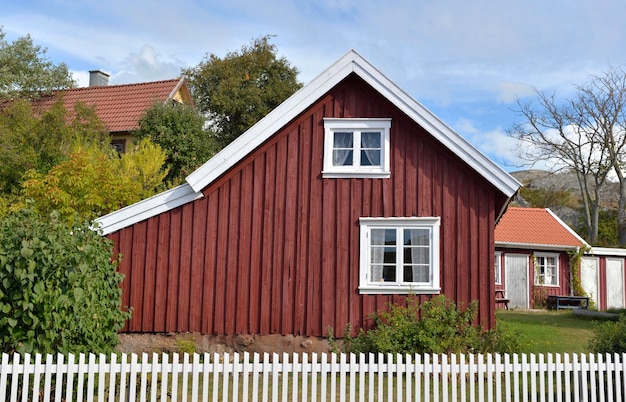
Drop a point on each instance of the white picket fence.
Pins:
(325, 377)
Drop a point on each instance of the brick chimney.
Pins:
(98, 78)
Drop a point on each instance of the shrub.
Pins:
(436, 326)
(609, 336)
(59, 289)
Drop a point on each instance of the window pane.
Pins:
(370, 148)
(342, 149)
(390, 255)
(389, 273)
(383, 236)
(342, 157)
(342, 140)
(417, 237)
(370, 157)
(416, 273)
(377, 273)
(370, 140)
(416, 255)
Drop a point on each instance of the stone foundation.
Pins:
(181, 342)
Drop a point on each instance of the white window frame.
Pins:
(497, 266)
(367, 286)
(539, 278)
(356, 126)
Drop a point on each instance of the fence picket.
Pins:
(335, 377)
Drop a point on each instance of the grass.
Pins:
(543, 331)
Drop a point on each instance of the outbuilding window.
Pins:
(399, 255)
(356, 148)
(546, 269)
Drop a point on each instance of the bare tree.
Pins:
(602, 105)
(556, 133)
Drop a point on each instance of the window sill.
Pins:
(543, 285)
(395, 290)
(355, 174)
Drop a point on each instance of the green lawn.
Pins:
(543, 331)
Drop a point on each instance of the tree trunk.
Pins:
(621, 213)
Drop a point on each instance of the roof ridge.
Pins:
(104, 87)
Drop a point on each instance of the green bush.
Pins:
(59, 289)
(435, 326)
(609, 336)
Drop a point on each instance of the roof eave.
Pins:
(537, 246)
(145, 209)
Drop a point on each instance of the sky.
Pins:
(466, 61)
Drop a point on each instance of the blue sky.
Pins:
(466, 61)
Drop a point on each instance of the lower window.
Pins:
(399, 255)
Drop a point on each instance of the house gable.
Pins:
(350, 64)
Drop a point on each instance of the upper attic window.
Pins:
(356, 148)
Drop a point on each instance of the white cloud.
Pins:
(508, 92)
(146, 65)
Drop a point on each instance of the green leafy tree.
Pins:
(31, 140)
(178, 129)
(95, 181)
(59, 289)
(237, 91)
(26, 72)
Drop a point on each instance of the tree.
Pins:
(59, 289)
(38, 141)
(95, 181)
(25, 72)
(602, 103)
(178, 129)
(558, 133)
(237, 91)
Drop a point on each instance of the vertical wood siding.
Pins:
(274, 248)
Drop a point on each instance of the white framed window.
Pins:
(546, 269)
(356, 148)
(497, 267)
(399, 255)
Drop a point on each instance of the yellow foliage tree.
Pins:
(95, 181)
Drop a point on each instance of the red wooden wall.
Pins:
(273, 248)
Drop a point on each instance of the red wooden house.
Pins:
(532, 261)
(119, 107)
(346, 197)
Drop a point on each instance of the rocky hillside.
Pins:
(566, 208)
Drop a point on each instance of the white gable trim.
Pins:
(287, 111)
(302, 99)
(566, 226)
(145, 209)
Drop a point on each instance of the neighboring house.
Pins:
(120, 107)
(532, 258)
(602, 277)
(348, 196)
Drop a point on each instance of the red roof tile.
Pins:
(119, 107)
(535, 226)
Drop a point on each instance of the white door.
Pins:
(589, 278)
(517, 291)
(614, 283)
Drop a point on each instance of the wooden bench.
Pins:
(501, 298)
(568, 302)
